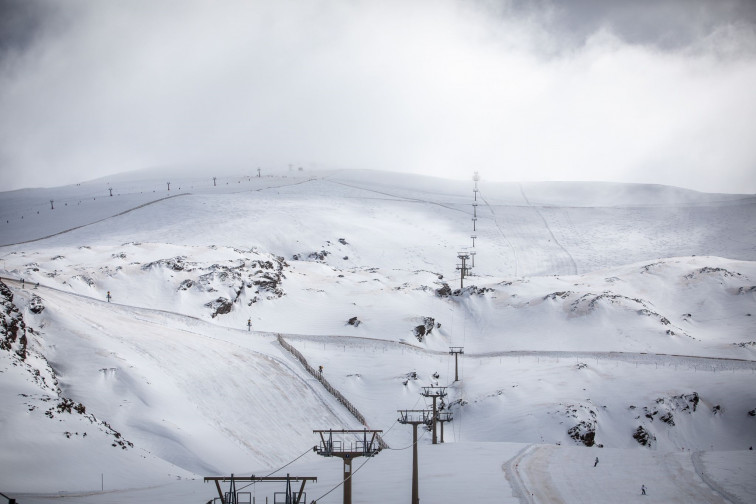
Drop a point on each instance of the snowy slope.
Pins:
(600, 311)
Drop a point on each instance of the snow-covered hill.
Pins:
(620, 317)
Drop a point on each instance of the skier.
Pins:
(643, 489)
(596, 462)
(108, 296)
(249, 324)
(320, 370)
(22, 283)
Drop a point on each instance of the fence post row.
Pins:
(343, 400)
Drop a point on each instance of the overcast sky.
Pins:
(650, 91)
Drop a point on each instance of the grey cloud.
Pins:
(514, 90)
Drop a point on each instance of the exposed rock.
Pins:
(668, 418)
(12, 325)
(177, 263)
(35, 304)
(84, 278)
(706, 270)
(584, 432)
(319, 256)
(472, 290)
(554, 295)
(220, 306)
(424, 329)
(444, 290)
(643, 437)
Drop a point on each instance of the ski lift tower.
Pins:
(443, 417)
(434, 392)
(476, 177)
(464, 270)
(415, 418)
(330, 447)
(455, 351)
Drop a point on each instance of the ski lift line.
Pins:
(397, 421)
(97, 221)
(401, 198)
(277, 470)
(367, 459)
(308, 450)
(413, 444)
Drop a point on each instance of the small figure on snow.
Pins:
(249, 324)
(36, 286)
(643, 489)
(22, 283)
(108, 296)
(596, 462)
(320, 370)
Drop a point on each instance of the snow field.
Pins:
(604, 306)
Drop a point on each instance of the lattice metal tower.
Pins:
(463, 269)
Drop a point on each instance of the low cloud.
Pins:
(514, 90)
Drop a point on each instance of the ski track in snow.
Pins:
(551, 233)
(502, 233)
(512, 473)
(695, 458)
